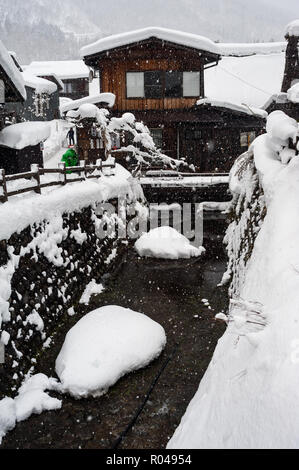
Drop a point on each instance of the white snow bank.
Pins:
(16, 215)
(166, 242)
(292, 28)
(293, 93)
(246, 49)
(252, 111)
(12, 70)
(39, 84)
(31, 399)
(249, 395)
(176, 37)
(24, 134)
(105, 345)
(108, 98)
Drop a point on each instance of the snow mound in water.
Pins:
(105, 345)
(167, 243)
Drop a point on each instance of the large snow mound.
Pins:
(25, 134)
(293, 93)
(248, 398)
(105, 345)
(166, 243)
(176, 37)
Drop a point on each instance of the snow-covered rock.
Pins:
(167, 243)
(105, 345)
(293, 93)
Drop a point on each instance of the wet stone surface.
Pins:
(171, 293)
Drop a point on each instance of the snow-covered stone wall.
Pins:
(49, 260)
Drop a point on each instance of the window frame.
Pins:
(163, 84)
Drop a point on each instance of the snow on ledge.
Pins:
(177, 37)
(108, 98)
(241, 108)
(25, 134)
(16, 215)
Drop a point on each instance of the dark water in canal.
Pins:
(171, 293)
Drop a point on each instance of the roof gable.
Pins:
(132, 38)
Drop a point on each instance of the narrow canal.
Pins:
(183, 297)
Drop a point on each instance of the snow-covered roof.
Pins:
(63, 69)
(252, 111)
(25, 134)
(12, 71)
(131, 37)
(245, 49)
(292, 28)
(39, 84)
(108, 98)
(248, 80)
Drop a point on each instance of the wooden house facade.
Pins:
(159, 76)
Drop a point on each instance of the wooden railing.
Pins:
(84, 171)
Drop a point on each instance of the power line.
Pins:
(244, 81)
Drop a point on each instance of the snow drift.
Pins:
(248, 397)
(167, 243)
(105, 345)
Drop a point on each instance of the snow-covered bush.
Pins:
(141, 147)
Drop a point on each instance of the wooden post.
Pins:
(62, 168)
(3, 184)
(36, 176)
(83, 165)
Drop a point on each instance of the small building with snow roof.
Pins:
(160, 75)
(21, 146)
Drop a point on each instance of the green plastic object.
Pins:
(70, 158)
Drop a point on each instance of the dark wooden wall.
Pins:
(19, 161)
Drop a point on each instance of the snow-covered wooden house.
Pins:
(73, 74)
(12, 87)
(159, 75)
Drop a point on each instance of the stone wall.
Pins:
(48, 279)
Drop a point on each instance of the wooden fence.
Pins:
(84, 171)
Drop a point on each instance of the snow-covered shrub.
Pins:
(246, 213)
(141, 147)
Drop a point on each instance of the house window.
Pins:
(68, 87)
(153, 84)
(246, 138)
(135, 85)
(173, 84)
(191, 84)
(157, 136)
